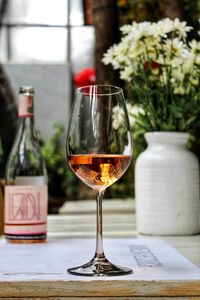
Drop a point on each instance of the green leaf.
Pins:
(181, 125)
(167, 127)
(176, 111)
(190, 120)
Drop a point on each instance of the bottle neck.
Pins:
(26, 106)
(26, 124)
(26, 113)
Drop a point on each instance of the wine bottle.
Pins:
(25, 206)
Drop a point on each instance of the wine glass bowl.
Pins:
(99, 151)
(99, 170)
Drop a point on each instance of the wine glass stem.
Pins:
(99, 233)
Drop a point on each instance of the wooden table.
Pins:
(77, 220)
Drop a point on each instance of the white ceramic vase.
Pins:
(167, 186)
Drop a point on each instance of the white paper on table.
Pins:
(150, 259)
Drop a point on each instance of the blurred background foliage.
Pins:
(61, 180)
(106, 16)
(153, 10)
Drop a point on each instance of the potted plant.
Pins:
(163, 71)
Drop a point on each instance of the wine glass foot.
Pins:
(99, 267)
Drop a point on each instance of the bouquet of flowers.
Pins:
(163, 71)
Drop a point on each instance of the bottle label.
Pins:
(25, 210)
(25, 106)
(29, 180)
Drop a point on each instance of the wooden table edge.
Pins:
(99, 288)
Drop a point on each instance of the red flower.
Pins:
(152, 67)
(85, 77)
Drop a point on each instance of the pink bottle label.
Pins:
(25, 209)
(25, 106)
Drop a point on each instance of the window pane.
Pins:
(50, 12)
(82, 47)
(3, 46)
(38, 44)
(76, 12)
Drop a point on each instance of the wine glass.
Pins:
(99, 151)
